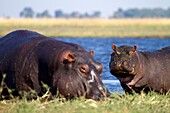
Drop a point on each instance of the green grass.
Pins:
(151, 103)
(118, 102)
(90, 27)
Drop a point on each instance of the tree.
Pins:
(27, 13)
(85, 15)
(168, 12)
(132, 13)
(96, 14)
(159, 12)
(59, 14)
(75, 14)
(44, 14)
(142, 13)
(119, 13)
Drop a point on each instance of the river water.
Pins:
(102, 48)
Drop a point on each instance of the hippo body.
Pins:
(141, 71)
(30, 60)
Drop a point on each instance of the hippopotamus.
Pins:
(31, 60)
(140, 71)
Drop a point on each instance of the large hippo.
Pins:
(31, 60)
(141, 71)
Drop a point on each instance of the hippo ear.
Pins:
(91, 52)
(114, 47)
(68, 57)
(134, 48)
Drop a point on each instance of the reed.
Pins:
(90, 27)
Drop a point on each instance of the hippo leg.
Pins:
(27, 77)
(135, 80)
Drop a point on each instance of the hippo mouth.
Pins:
(122, 68)
(123, 71)
(123, 76)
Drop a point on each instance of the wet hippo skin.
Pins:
(29, 60)
(141, 71)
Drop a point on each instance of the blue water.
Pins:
(102, 48)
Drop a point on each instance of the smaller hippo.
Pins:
(141, 71)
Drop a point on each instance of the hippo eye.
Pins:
(84, 68)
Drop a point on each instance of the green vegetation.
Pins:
(151, 103)
(28, 12)
(142, 13)
(90, 27)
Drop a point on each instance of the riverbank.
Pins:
(151, 103)
(90, 27)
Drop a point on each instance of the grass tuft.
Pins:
(144, 103)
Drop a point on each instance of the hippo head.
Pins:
(124, 63)
(78, 74)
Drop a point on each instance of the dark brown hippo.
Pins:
(30, 60)
(141, 71)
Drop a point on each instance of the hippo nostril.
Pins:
(124, 63)
(116, 64)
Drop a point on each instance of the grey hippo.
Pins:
(29, 60)
(141, 71)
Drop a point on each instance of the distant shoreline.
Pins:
(86, 28)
